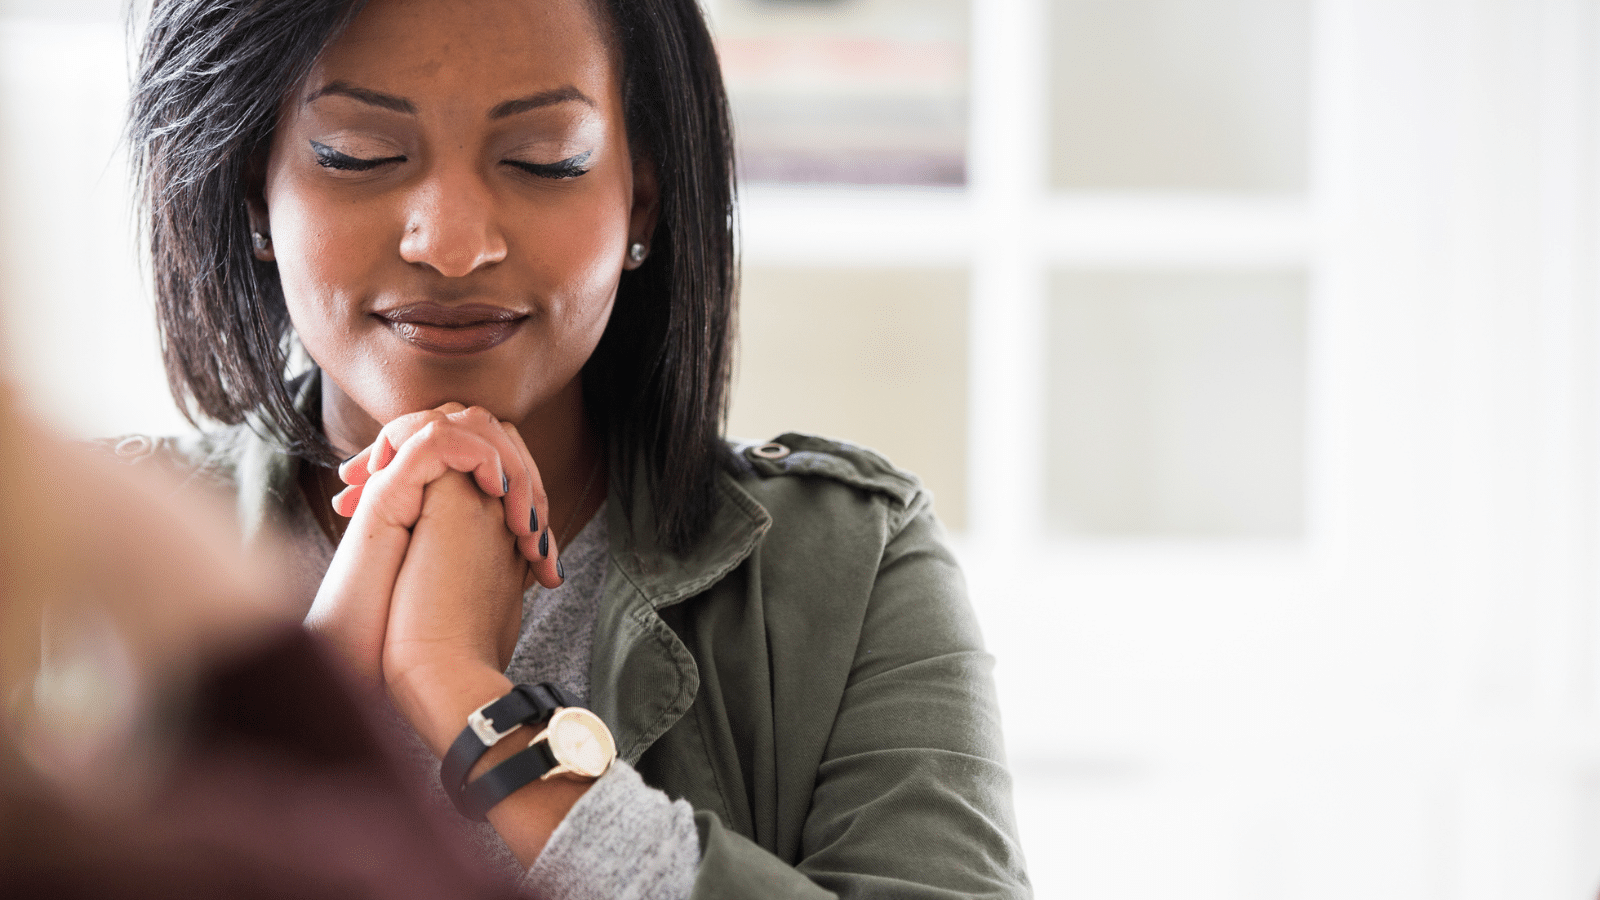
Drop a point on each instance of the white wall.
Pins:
(79, 332)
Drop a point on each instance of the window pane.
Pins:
(847, 91)
(1180, 94)
(874, 357)
(1177, 403)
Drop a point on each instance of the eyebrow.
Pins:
(567, 94)
(371, 98)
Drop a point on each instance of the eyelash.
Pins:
(567, 168)
(329, 158)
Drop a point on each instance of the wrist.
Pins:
(437, 699)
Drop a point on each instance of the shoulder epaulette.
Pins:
(804, 454)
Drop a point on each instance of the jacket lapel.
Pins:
(642, 678)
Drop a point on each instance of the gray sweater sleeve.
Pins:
(623, 840)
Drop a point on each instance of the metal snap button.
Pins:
(773, 450)
(133, 447)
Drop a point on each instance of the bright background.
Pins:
(1252, 348)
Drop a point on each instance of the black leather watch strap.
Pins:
(525, 704)
(505, 779)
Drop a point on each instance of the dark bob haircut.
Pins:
(211, 77)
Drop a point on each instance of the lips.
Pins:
(452, 330)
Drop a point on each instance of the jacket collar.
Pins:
(663, 578)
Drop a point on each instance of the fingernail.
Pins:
(544, 546)
(561, 571)
(347, 459)
(533, 519)
(505, 484)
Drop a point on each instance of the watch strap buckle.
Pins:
(484, 727)
(524, 704)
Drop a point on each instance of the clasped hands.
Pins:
(449, 525)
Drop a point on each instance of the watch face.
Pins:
(581, 742)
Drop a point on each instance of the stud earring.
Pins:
(260, 241)
(637, 252)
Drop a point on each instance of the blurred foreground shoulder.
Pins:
(206, 459)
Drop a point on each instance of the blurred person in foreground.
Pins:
(173, 734)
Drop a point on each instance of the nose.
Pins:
(451, 226)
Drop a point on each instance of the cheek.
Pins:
(325, 252)
(580, 250)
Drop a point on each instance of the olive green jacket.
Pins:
(810, 677)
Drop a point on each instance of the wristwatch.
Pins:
(575, 744)
(526, 704)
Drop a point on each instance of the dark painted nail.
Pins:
(544, 545)
(505, 484)
(533, 519)
(347, 460)
(561, 571)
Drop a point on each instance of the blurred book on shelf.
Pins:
(847, 91)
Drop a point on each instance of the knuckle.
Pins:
(408, 421)
(423, 419)
(428, 433)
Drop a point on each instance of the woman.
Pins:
(502, 233)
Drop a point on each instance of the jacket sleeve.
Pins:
(912, 798)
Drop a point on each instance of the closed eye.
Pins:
(571, 167)
(329, 158)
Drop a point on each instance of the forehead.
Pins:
(473, 52)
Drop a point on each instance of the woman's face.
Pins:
(450, 200)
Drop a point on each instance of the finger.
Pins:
(354, 470)
(542, 554)
(536, 543)
(394, 435)
(523, 515)
(436, 450)
(383, 451)
(347, 501)
(401, 429)
(398, 431)
(544, 562)
(493, 478)
(459, 450)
